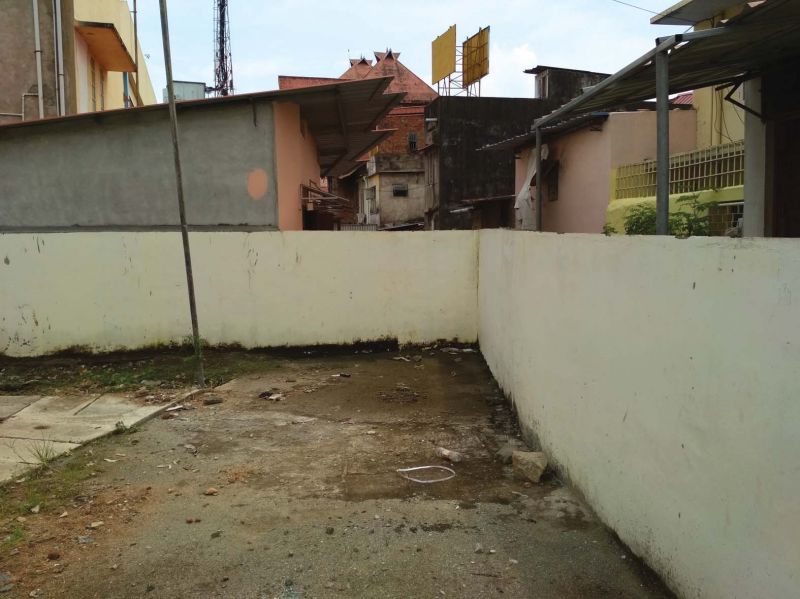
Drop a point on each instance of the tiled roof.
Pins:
(387, 64)
(292, 82)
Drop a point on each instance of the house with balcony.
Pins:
(582, 157)
(748, 176)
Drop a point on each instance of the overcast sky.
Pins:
(315, 37)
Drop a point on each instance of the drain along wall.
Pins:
(106, 291)
(662, 376)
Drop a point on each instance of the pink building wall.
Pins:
(586, 159)
(296, 163)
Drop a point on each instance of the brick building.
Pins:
(387, 189)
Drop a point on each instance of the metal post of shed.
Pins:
(662, 142)
(187, 256)
(538, 204)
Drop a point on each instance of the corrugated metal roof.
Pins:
(761, 37)
(689, 12)
(566, 126)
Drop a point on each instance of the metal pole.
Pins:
(187, 256)
(136, 47)
(662, 143)
(62, 91)
(538, 213)
(38, 53)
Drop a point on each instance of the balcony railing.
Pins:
(711, 168)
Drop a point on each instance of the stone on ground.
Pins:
(529, 464)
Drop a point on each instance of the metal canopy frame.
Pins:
(761, 37)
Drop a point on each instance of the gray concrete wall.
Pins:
(116, 169)
(18, 57)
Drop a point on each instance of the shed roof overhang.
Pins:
(562, 127)
(341, 116)
(760, 38)
(690, 12)
(106, 45)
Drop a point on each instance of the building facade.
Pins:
(467, 188)
(387, 188)
(579, 172)
(64, 57)
(114, 170)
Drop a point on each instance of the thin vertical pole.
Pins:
(662, 143)
(187, 256)
(136, 46)
(538, 214)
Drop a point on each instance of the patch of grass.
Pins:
(48, 487)
(44, 452)
(14, 538)
(126, 371)
(120, 428)
(34, 496)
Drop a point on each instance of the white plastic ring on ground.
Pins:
(403, 472)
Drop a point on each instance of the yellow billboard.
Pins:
(443, 55)
(476, 57)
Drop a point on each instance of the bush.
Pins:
(691, 219)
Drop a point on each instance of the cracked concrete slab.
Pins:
(59, 424)
(11, 404)
(31, 451)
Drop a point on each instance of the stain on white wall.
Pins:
(661, 375)
(106, 291)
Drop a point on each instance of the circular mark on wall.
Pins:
(257, 183)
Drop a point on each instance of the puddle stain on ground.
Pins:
(309, 501)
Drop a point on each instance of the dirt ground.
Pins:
(299, 496)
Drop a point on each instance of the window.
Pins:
(102, 89)
(370, 205)
(551, 181)
(93, 83)
(726, 219)
(412, 142)
(400, 190)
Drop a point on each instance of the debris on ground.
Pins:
(211, 491)
(405, 473)
(211, 400)
(402, 393)
(529, 464)
(505, 452)
(401, 359)
(448, 454)
(316, 473)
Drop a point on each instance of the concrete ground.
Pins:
(36, 429)
(299, 496)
